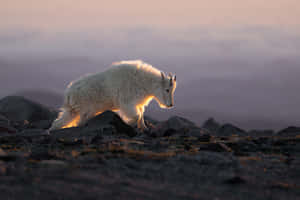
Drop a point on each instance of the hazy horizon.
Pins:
(237, 61)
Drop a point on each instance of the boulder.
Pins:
(101, 127)
(150, 120)
(4, 120)
(5, 126)
(289, 131)
(110, 119)
(17, 108)
(229, 129)
(211, 125)
(42, 124)
(175, 123)
(178, 126)
(258, 133)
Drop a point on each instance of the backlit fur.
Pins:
(127, 87)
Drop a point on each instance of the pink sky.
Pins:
(69, 14)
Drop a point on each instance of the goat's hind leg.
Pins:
(134, 115)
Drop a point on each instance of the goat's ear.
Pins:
(162, 75)
(174, 77)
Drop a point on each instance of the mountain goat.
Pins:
(127, 87)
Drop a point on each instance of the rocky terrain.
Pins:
(175, 159)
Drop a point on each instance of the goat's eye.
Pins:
(167, 90)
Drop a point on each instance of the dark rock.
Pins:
(97, 139)
(4, 120)
(76, 135)
(169, 132)
(42, 124)
(57, 163)
(41, 153)
(209, 158)
(32, 132)
(204, 138)
(235, 180)
(197, 132)
(290, 131)
(149, 119)
(107, 124)
(12, 156)
(12, 139)
(5, 125)
(229, 129)
(17, 108)
(110, 119)
(7, 129)
(211, 125)
(175, 123)
(216, 147)
(71, 141)
(267, 132)
(243, 146)
(177, 126)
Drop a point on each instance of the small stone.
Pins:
(53, 162)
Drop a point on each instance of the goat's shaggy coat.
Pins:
(127, 87)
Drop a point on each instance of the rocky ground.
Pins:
(175, 159)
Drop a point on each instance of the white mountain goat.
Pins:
(127, 87)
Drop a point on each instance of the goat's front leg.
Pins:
(132, 113)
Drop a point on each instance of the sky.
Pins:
(236, 60)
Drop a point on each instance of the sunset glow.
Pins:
(76, 120)
(73, 123)
(144, 103)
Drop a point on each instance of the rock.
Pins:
(169, 132)
(42, 124)
(107, 124)
(7, 129)
(175, 123)
(3, 168)
(209, 158)
(211, 125)
(235, 180)
(17, 108)
(216, 147)
(267, 132)
(4, 120)
(148, 119)
(5, 125)
(12, 156)
(204, 138)
(177, 126)
(2, 153)
(229, 129)
(41, 153)
(32, 132)
(290, 131)
(110, 119)
(75, 135)
(243, 147)
(53, 163)
(198, 132)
